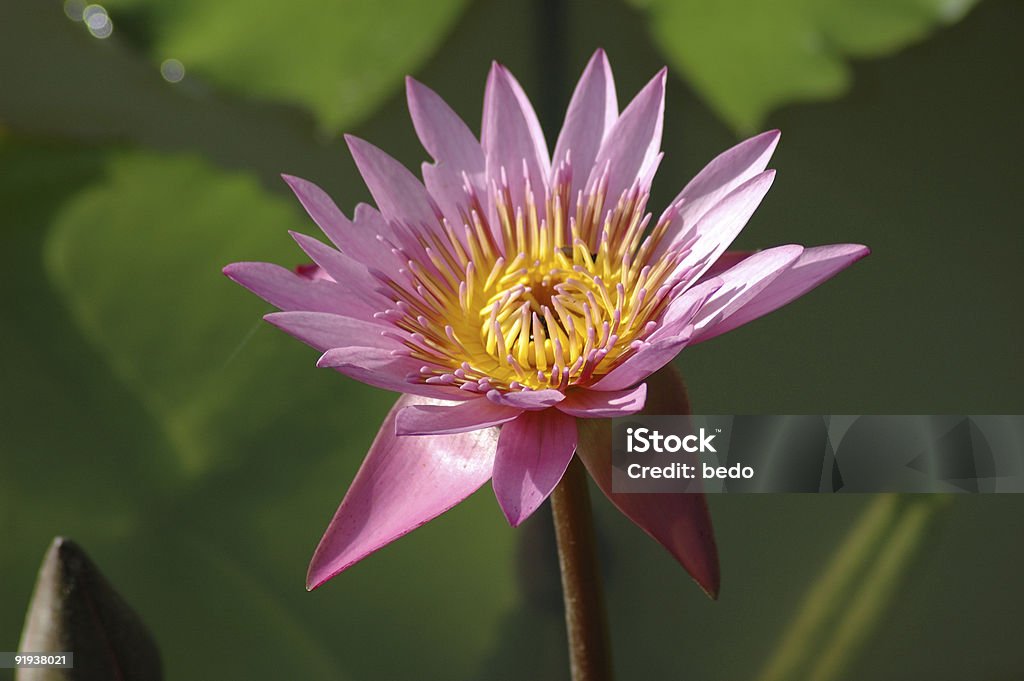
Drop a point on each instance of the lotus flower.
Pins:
(512, 295)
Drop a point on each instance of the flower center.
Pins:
(545, 299)
(540, 287)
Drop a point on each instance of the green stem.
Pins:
(850, 595)
(868, 604)
(829, 592)
(585, 622)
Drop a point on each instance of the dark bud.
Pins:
(74, 609)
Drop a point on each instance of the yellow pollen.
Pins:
(552, 295)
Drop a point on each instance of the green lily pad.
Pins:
(339, 59)
(748, 57)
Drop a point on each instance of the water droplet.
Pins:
(98, 21)
(172, 70)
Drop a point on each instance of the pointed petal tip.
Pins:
(298, 184)
(655, 87)
(319, 574)
(598, 59)
(306, 241)
(278, 319)
(712, 589)
(761, 182)
(513, 513)
(236, 271)
(770, 140)
(355, 144)
(402, 484)
(414, 89)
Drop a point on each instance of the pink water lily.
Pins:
(513, 294)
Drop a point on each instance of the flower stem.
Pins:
(867, 606)
(848, 599)
(585, 622)
(829, 593)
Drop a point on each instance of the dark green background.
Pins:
(198, 454)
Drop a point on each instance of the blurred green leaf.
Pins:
(747, 57)
(262, 445)
(138, 258)
(62, 414)
(339, 59)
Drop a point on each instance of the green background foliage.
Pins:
(747, 57)
(197, 454)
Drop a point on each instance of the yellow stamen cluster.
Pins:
(549, 299)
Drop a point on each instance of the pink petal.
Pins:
(511, 134)
(679, 522)
(725, 261)
(815, 266)
(725, 173)
(443, 134)
(403, 483)
(456, 152)
(325, 213)
(430, 419)
(684, 308)
(385, 369)
(372, 241)
(593, 404)
(323, 330)
(650, 357)
(446, 188)
(527, 399)
(357, 238)
(399, 195)
(592, 112)
(720, 225)
(287, 290)
(351, 276)
(633, 143)
(533, 452)
(743, 283)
